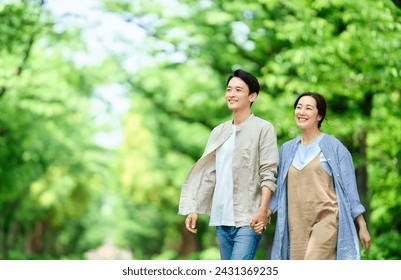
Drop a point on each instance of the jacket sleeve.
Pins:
(274, 202)
(273, 205)
(268, 158)
(348, 179)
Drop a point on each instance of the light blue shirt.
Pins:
(340, 161)
(305, 154)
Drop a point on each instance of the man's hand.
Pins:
(262, 217)
(259, 222)
(190, 222)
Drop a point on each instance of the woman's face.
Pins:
(306, 113)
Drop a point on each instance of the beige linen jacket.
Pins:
(255, 161)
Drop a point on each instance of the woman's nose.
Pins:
(301, 112)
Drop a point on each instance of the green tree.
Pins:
(349, 51)
(50, 167)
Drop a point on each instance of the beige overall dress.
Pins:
(312, 213)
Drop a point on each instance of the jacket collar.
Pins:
(225, 133)
(247, 120)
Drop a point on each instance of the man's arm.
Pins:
(262, 217)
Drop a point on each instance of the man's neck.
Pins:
(240, 116)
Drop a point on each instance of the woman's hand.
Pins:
(260, 221)
(364, 236)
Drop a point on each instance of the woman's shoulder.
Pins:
(287, 146)
(333, 143)
(292, 141)
(331, 140)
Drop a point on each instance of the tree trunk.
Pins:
(189, 243)
(362, 173)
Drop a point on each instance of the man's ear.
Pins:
(253, 96)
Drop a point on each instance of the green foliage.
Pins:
(346, 50)
(49, 162)
(62, 195)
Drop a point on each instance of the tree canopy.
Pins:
(62, 194)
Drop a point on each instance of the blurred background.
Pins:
(106, 104)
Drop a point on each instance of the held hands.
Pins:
(259, 222)
(190, 222)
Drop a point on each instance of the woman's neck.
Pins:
(307, 137)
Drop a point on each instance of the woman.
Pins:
(316, 197)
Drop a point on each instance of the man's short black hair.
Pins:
(248, 78)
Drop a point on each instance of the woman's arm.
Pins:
(364, 235)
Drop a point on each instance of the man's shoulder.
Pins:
(218, 128)
(262, 122)
(221, 125)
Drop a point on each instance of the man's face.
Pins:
(237, 95)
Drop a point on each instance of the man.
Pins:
(236, 175)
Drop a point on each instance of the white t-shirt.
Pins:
(222, 212)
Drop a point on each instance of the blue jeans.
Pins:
(237, 243)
